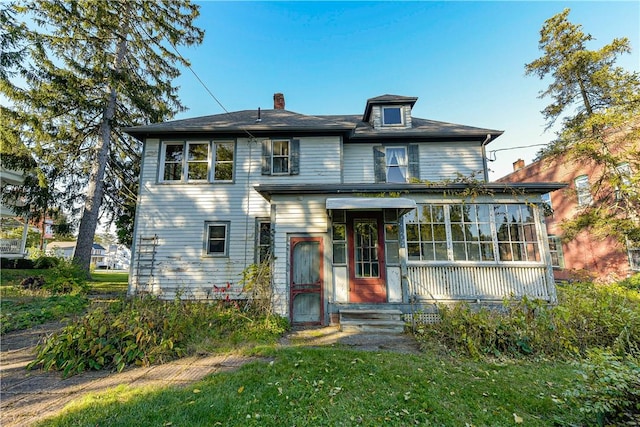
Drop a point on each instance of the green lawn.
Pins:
(23, 309)
(337, 387)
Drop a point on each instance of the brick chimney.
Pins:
(518, 164)
(278, 101)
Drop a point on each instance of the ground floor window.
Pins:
(555, 249)
(472, 232)
(634, 259)
(263, 240)
(217, 238)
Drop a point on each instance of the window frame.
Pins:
(583, 190)
(624, 170)
(556, 249)
(280, 156)
(207, 238)
(184, 163)
(403, 168)
(400, 109)
(259, 245)
(414, 227)
(215, 162)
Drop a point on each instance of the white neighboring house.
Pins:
(360, 212)
(118, 257)
(66, 249)
(12, 247)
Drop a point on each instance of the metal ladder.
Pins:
(145, 263)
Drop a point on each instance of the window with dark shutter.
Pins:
(379, 164)
(281, 157)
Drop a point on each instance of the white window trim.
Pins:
(288, 157)
(214, 161)
(227, 228)
(583, 192)
(494, 240)
(395, 107)
(403, 168)
(186, 161)
(210, 161)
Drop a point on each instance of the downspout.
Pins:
(485, 166)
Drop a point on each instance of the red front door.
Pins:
(365, 242)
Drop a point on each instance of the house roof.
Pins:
(269, 190)
(387, 99)
(262, 122)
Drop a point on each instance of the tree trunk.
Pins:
(95, 188)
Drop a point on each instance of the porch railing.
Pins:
(10, 246)
(484, 283)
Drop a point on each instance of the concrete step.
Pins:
(372, 321)
(387, 327)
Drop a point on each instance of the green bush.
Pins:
(608, 389)
(68, 278)
(145, 331)
(632, 282)
(44, 262)
(587, 316)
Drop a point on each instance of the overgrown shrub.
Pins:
(69, 278)
(608, 389)
(145, 331)
(632, 282)
(586, 316)
(24, 264)
(44, 262)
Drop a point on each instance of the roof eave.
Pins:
(269, 190)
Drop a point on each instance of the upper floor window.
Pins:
(583, 189)
(223, 161)
(280, 157)
(396, 163)
(392, 116)
(190, 161)
(623, 171)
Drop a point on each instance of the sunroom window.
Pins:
(472, 232)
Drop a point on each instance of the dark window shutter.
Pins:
(379, 164)
(294, 166)
(414, 162)
(266, 157)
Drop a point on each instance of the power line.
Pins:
(510, 148)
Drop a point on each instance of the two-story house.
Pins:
(359, 211)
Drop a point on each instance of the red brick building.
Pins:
(586, 256)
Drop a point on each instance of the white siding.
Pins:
(438, 161)
(176, 213)
(394, 284)
(297, 216)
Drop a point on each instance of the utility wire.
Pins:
(510, 148)
(199, 80)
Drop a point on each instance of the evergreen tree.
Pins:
(86, 69)
(600, 106)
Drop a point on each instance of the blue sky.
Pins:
(463, 60)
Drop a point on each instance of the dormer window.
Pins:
(392, 116)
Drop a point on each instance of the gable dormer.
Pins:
(389, 111)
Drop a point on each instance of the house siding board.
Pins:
(438, 161)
